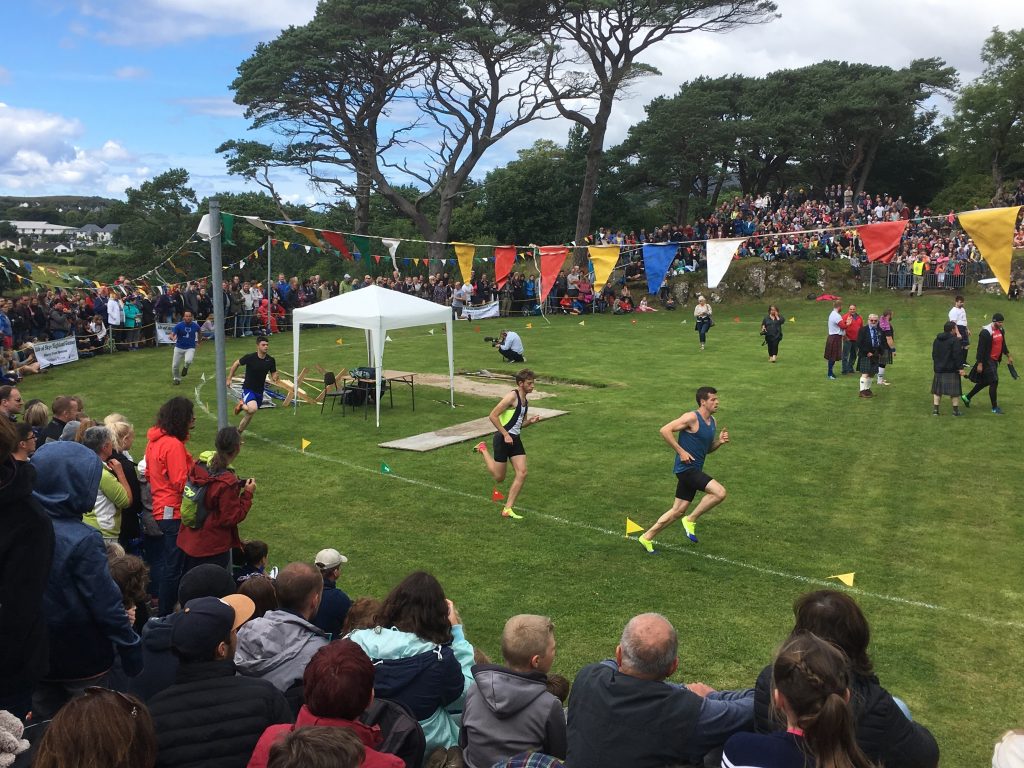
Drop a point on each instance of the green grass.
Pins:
(925, 510)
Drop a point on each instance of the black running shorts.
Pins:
(690, 482)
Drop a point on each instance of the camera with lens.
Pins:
(491, 339)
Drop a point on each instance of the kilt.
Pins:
(885, 358)
(947, 384)
(868, 365)
(834, 347)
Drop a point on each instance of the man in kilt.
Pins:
(834, 342)
(985, 373)
(870, 342)
(947, 360)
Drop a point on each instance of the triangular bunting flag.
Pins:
(497, 495)
(846, 578)
(336, 240)
(552, 257)
(385, 469)
(720, 255)
(657, 259)
(504, 258)
(992, 231)
(362, 244)
(227, 223)
(464, 253)
(881, 240)
(392, 246)
(309, 234)
(256, 222)
(604, 258)
(632, 527)
(305, 444)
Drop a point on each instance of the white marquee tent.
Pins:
(377, 311)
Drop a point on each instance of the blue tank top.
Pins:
(697, 444)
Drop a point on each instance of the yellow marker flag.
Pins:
(529, 325)
(604, 258)
(792, 319)
(465, 253)
(305, 444)
(846, 578)
(583, 322)
(992, 231)
(339, 341)
(632, 527)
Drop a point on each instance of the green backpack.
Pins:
(193, 497)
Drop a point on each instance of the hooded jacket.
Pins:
(159, 664)
(369, 735)
(83, 605)
(227, 503)
(509, 712)
(946, 353)
(26, 551)
(167, 464)
(277, 647)
(428, 679)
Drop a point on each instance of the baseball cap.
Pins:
(206, 580)
(206, 621)
(348, 276)
(326, 559)
(997, 317)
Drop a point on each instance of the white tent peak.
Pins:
(376, 310)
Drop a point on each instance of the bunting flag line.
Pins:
(658, 258)
(992, 231)
(882, 240)
(464, 253)
(846, 578)
(504, 258)
(603, 258)
(720, 255)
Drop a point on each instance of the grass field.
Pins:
(925, 510)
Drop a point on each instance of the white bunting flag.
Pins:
(720, 254)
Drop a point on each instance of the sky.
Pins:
(100, 95)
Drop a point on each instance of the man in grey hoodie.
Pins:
(278, 646)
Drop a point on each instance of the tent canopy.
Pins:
(375, 310)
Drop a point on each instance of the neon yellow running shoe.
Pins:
(646, 544)
(691, 530)
(507, 512)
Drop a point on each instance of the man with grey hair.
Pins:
(625, 712)
(114, 494)
(870, 341)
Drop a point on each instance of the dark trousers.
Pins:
(991, 392)
(165, 564)
(850, 350)
(223, 560)
(510, 356)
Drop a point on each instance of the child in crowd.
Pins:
(509, 709)
(254, 559)
(644, 306)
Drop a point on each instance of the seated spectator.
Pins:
(259, 588)
(508, 709)
(422, 657)
(37, 416)
(334, 604)
(624, 712)
(160, 664)
(644, 307)
(131, 574)
(25, 444)
(211, 716)
(100, 728)
(362, 614)
(810, 689)
(278, 646)
(83, 606)
(885, 734)
(318, 748)
(208, 327)
(254, 558)
(338, 687)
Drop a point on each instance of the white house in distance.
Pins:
(42, 229)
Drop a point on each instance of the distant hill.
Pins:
(70, 210)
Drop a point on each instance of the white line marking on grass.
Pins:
(689, 551)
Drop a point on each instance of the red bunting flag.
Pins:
(504, 258)
(337, 242)
(552, 257)
(882, 240)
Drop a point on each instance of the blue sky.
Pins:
(100, 95)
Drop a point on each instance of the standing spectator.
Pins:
(834, 341)
(771, 329)
(947, 365)
(132, 315)
(958, 315)
(919, 267)
(189, 300)
(189, 735)
(227, 502)
(123, 437)
(334, 603)
(249, 303)
(148, 330)
(26, 552)
(115, 320)
(167, 465)
(870, 343)
(992, 347)
(84, 611)
(888, 353)
(114, 494)
(851, 323)
(702, 315)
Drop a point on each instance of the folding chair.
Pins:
(330, 380)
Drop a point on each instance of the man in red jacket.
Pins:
(851, 325)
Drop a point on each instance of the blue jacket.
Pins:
(428, 679)
(334, 605)
(83, 605)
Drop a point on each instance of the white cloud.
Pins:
(39, 155)
(161, 22)
(131, 73)
(215, 106)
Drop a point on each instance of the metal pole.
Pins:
(267, 293)
(217, 277)
(871, 280)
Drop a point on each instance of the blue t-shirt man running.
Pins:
(185, 336)
(697, 438)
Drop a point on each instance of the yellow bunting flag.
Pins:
(632, 527)
(604, 259)
(846, 578)
(465, 253)
(992, 231)
(305, 444)
(310, 235)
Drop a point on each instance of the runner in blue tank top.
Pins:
(509, 417)
(696, 440)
